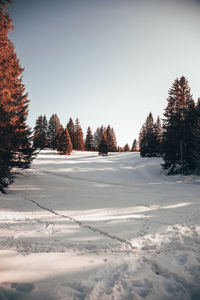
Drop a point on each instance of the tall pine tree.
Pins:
(78, 136)
(89, 142)
(53, 128)
(15, 142)
(176, 128)
(40, 136)
(71, 130)
(64, 145)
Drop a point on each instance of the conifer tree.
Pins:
(97, 138)
(111, 138)
(176, 128)
(135, 146)
(158, 133)
(126, 148)
(53, 127)
(40, 136)
(78, 136)
(89, 142)
(195, 139)
(15, 142)
(148, 138)
(71, 130)
(64, 145)
(103, 146)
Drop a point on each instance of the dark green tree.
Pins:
(89, 142)
(53, 128)
(177, 128)
(103, 146)
(40, 135)
(148, 138)
(135, 146)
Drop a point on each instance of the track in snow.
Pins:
(91, 228)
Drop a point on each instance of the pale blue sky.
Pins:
(106, 61)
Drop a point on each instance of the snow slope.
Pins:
(91, 227)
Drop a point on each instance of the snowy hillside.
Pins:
(91, 227)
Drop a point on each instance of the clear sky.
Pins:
(105, 61)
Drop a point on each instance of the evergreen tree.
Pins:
(195, 139)
(71, 130)
(126, 148)
(135, 146)
(89, 142)
(158, 133)
(176, 128)
(40, 136)
(64, 145)
(103, 146)
(15, 143)
(119, 149)
(148, 138)
(111, 138)
(53, 128)
(97, 138)
(78, 136)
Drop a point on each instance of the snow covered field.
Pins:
(91, 227)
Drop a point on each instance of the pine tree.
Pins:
(40, 136)
(71, 130)
(78, 136)
(158, 133)
(111, 138)
(126, 148)
(15, 143)
(103, 146)
(53, 127)
(176, 128)
(135, 146)
(195, 139)
(97, 138)
(148, 138)
(64, 145)
(89, 142)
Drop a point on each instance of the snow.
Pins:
(91, 227)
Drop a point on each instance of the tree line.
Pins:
(51, 134)
(177, 140)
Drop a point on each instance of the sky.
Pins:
(105, 61)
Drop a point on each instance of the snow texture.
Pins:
(91, 227)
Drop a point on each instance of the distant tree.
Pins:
(78, 136)
(89, 142)
(135, 147)
(176, 128)
(148, 138)
(53, 128)
(103, 146)
(64, 145)
(71, 130)
(111, 138)
(40, 135)
(119, 149)
(126, 148)
(158, 133)
(15, 143)
(97, 138)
